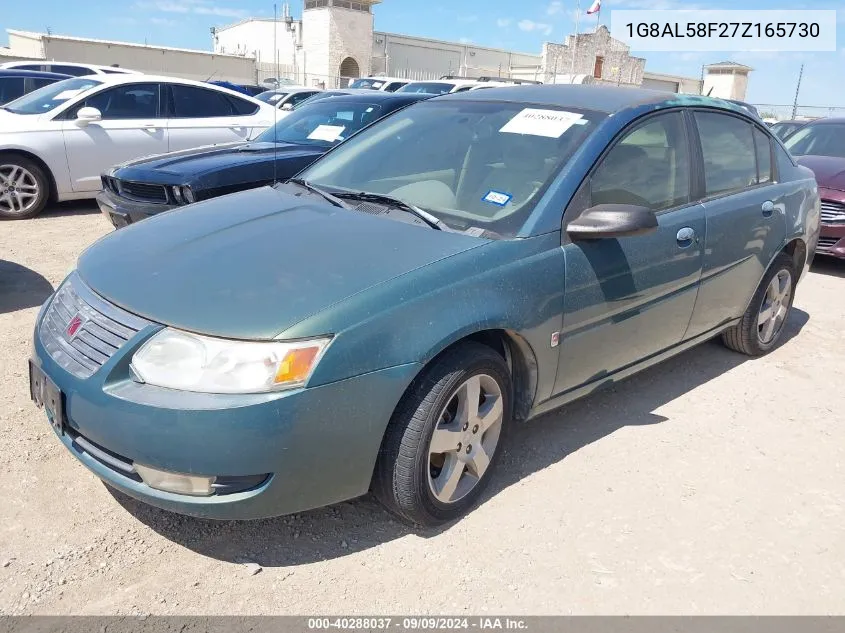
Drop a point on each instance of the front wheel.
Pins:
(24, 188)
(445, 437)
(762, 324)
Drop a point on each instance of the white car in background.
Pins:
(69, 68)
(383, 84)
(288, 97)
(439, 86)
(56, 141)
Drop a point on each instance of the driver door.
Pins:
(628, 298)
(131, 127)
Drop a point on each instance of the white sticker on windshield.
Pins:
(499, 198)
(549, 123)
(378, 84)
(274, 98)
(328, 133)
(64, 95)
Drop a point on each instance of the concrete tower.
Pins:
(337, 40)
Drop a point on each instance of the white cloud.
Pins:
(531, 25)
(199, 7)
(555, 8)
(503, 22)
(163, 22)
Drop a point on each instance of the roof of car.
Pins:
(14, 72)
(839, 120)
(116, 80)
(590, 97)
(374, 96)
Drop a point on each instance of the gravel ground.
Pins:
(711, 484)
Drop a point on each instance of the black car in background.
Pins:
(17, 83)
(145, 187)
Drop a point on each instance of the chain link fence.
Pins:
(784, 112)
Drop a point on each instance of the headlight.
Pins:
(188, 193)
(192, 362)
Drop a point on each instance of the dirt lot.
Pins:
(711, 484)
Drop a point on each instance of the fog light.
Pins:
(175, 482)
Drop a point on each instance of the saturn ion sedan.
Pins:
(380, 321)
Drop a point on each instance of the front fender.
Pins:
(514, 285)
(51, 154)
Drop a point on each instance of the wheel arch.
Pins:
(51, 178)
(514, 348)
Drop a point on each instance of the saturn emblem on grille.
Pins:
(73, 326)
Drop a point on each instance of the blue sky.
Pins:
(522, 26)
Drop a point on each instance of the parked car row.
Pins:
(441, 268)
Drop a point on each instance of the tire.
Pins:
(749, 336)
(31, 188)
(407, 478)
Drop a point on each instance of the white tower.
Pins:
(337, 40)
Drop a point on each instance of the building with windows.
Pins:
(335, 41)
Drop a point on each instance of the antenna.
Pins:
(275, 105)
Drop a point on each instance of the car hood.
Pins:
(829, 170)
(252, 264)
(199, 165)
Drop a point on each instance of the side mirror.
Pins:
(287, 106)
(87, 115)
(612, 220)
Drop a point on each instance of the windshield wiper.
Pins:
(323, 194)
(433, 221)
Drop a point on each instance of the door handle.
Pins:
(768, 208)
(150, 126)
(686, 237)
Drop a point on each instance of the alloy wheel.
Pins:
(776, 303)
(18, 189)
(465, 438)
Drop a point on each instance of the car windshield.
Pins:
(783, 130)
(323, 123)
(428, 87)
(372, 84)
(51, 97)
(272, 96)
(480, 164)
(825, 139)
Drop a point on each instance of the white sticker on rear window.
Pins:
(549, 123)
(64, 95)
(328, 133)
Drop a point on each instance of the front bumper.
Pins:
(318, 445)
(121, 212)
(832, 240)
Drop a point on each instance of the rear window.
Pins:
(428, 87)
(242, 107)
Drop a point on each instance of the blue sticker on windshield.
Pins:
(497, 197)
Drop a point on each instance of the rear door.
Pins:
(744, 207)
(131, 127)
(202, 116)
(626, 299)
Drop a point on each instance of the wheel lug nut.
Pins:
(469, 448)
(466, 425)
(460, 446)
(475, 429)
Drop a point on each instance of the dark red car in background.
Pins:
(820, 145)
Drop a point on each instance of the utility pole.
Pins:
(276, 43)
(797, 89)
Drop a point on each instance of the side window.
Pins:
(11, 88)
(297, 98)
(394, 86)
(73, 71)
(727, 146)
(132, 101)
(191, 102)
(30, 67)
(649, 167)
(242, 107)
(763, 146)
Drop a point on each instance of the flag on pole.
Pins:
(594, 8)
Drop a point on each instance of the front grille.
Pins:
(102, 330)
(833, 212)
(142, 192)
(826, 243)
